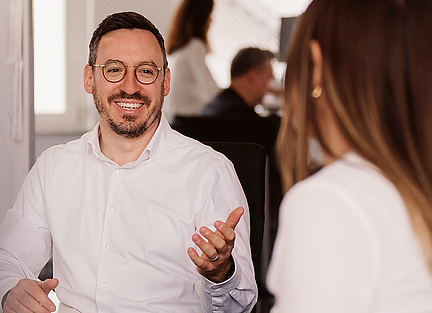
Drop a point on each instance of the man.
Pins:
(251, 73)
(117, 209)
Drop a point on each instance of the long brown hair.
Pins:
(377, 75)
(191, 20)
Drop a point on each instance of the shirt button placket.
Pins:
(105, 261)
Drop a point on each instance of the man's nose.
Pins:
(130, 83)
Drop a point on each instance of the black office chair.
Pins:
(249, 160)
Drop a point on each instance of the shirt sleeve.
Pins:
(220, 194)
(325, 257)
(18, 236)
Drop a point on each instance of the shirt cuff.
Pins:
(5, 288)
(219, 289)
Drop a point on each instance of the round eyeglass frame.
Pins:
(102, 66)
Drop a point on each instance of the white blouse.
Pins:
(192, 85)
(345, 244)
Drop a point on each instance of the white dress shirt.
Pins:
(119, 235)
(345, 244)
(192, 85)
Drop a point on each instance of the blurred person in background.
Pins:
(251, 74)
(192, 84)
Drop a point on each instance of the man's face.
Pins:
(128, 107)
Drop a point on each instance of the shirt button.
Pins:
(216, 308)
(107, 246)
(118, 171)
(112, 207)
(103, 283)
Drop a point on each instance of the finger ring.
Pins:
(214, 260)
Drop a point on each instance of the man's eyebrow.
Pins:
(113, 61)
(150, 62)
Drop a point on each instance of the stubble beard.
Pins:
(128, 127)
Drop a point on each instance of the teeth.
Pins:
(129, 106)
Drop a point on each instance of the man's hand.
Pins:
(31, 296)
(219, 246)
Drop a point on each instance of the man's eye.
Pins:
(146, 71)
(114, 69)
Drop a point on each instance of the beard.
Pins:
(129, 126)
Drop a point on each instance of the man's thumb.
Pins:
(49, 284)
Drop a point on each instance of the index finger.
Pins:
(234, 217)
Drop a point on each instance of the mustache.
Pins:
(135, 96)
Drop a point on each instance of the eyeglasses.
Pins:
(115, 71)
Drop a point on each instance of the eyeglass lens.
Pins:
(116, 71)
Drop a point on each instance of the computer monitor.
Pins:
(287, 26)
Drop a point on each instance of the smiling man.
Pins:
(136, 217)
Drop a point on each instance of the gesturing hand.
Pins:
(31, 296)
(215, 261)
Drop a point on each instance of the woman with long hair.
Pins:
(192, 84)
(357, 235)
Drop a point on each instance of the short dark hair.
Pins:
(249, 58)
(123, 20)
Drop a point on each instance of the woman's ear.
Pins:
(317, 61)
(88, 79)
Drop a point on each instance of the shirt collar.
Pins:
(158, 139)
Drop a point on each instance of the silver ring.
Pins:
(214, 260)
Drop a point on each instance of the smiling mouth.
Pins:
(130, 105)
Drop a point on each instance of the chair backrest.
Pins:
(249, 160)
(230, 128)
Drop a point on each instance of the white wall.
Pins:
(16, 157)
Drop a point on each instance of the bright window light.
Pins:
(49, 28)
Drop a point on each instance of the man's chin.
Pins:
(128, 129)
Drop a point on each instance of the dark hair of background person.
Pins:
(192, 19)
(249, 58)
(123, 20)
(377, 77)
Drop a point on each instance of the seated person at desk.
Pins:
(251, 73)
(135, 216)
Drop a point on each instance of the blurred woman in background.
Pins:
(192, 84)
(357, 235)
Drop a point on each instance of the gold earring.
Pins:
(316, 92)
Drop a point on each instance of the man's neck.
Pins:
(242, 90)
(120, 149)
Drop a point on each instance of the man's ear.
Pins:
(88, 79)
(167, 82)
(317, 61)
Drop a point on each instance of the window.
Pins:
(61, 30)
(49, 63)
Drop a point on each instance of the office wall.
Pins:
(16, 156)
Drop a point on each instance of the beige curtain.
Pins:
(15, 63)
